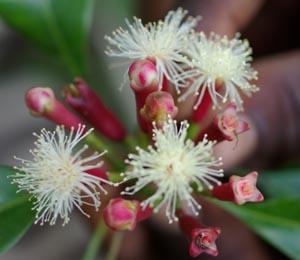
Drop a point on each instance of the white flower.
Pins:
(163, 42)
(57, 176)
(217, 59)
(173, 165)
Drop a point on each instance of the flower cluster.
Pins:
(174, 160)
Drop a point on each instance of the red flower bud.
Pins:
(86, 102)
(158, 106)
(121, 214)
(143, 81)
(42, 102)
(239, 189)
(202, 239)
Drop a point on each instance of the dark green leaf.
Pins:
(16, 215)
(281, 183)
(277, 221)
(58, 26)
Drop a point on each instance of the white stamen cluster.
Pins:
(216, 59)
(163, 42)
(57, 176)
(173, 165)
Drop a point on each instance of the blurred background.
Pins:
(27, 58)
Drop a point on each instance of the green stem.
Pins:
(96, 143)
(115, 246)
(95, 242)
(193, 131)
(130, 143)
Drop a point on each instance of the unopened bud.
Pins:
(202, 239)
(42, 102)
(159, 105)
(143, 81)
(239, 189)
(142, 74)
(86, 102)
(121, 214)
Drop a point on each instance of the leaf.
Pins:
(277, 221)
(280, 183)
(58, 26)
(16, 215)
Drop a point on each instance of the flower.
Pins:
(202, 239)
(57, 176)
(163, 42)
(230, 124)
(239, 189)
(173, 164)
(220, 62)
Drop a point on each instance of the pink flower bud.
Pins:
(142, 74)
(230, 124)
(42, 102)
(225, 126)
(39, 100)
(158, 106)
(202, 239)
(86, 102)
(121, 214)
(239, 189)
(143, 81)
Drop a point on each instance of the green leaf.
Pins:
(280, 183)
(16, 215)
(277, 221)
(58, 26)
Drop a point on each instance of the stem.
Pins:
(96, 143)
(95, 242)
(115, 246)
(131, 143)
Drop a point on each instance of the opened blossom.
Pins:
(173, 164)
(163, 42)
(221, 66)
(57, 177)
